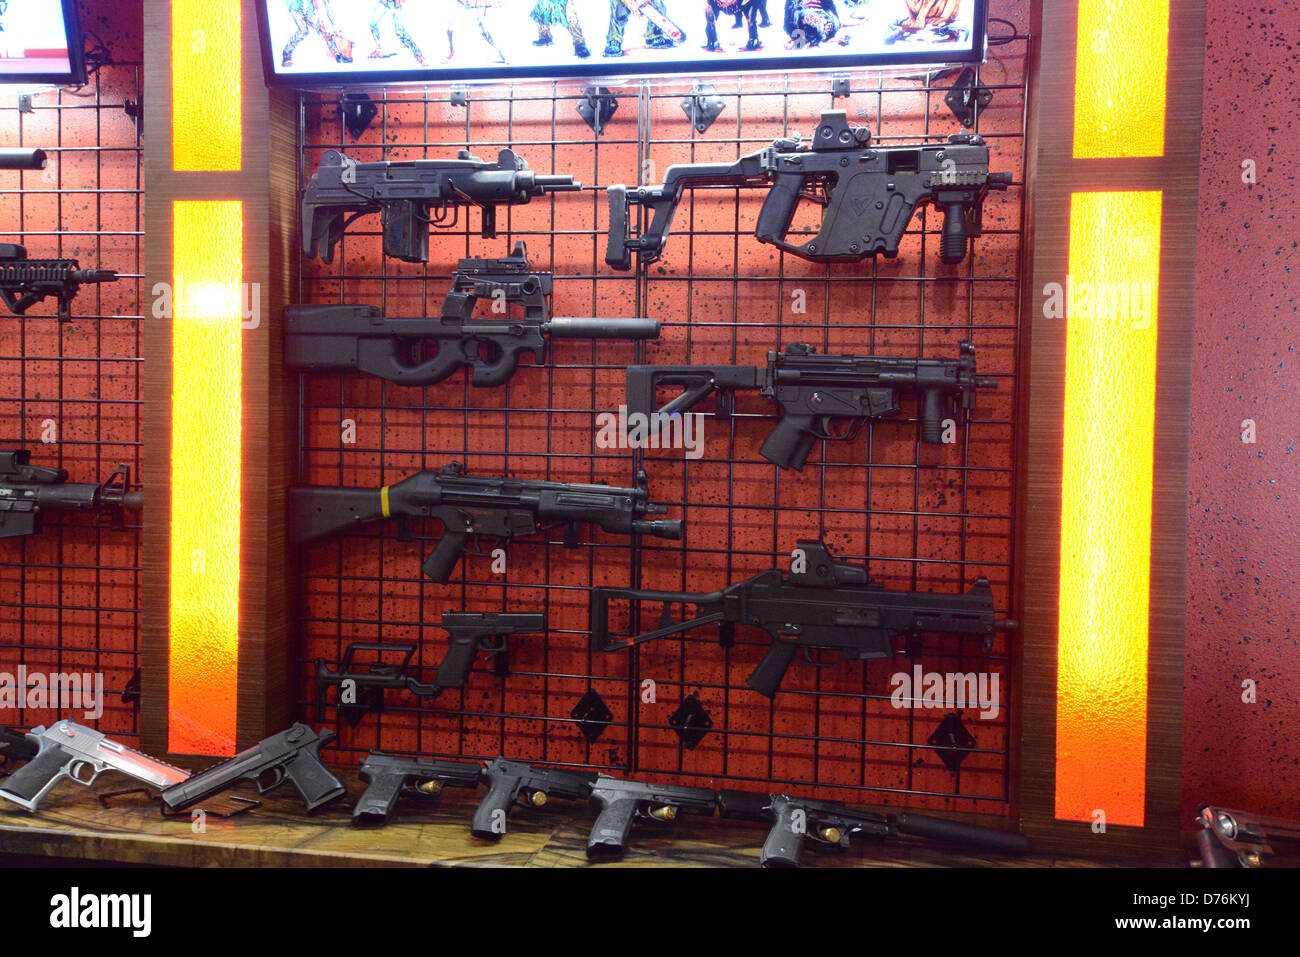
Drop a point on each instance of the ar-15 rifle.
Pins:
(25, 282)
(829, 604)
(359, 338)
(622, 802)
(391, 776)
(814, 391)
(469, 633)
(513, 782)
(28, 491)
(413, 195)
(831, 824)
(499, 508)
(870, 193)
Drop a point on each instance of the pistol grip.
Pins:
(440, 563)
(315, 783)
(790, 442)
(494, 809)
(608, 838)
(35, 779)
(766, 678)
(455, 666)
(377, 803)
(784, 844)
(778, 208)
(617, 253)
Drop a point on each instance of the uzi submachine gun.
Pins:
(622, 802)
(25, 282)
(815, 393)
(512, 782)
(29, 491)
(390, 776)
(468, 632)
(67, 750)
(292, 755)
(826, 604)
(477, 506)
(412, 195)
(831, 824)
(351, 338)
(870, 194)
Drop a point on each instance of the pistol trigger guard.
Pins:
(277, 778)
(74, 771)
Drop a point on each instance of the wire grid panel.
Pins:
(70, 391)
(923, 517)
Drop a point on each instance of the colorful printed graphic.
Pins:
(33, 39)
(501, 37)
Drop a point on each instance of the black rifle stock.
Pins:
(468, 634)
(475, 506)
(351, 338)
(292, 755)
(623, 802)
(815, 392)
(25, 282)
(389, 776)
(793, 820)
(28, 491)
(870, 194)
(513, 782)
(828, 605)
(412, 195)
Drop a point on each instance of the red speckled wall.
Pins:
(1243, 559)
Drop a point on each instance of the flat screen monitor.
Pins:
(311, 43)
(41, 42)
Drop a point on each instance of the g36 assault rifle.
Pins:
(870, 193)
(815, 391)
(358, 338)
(498, 508)
(829, 604)
(412, 195)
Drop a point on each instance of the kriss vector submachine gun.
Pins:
(870, 194)
(477, 506)
(815, 393)
(412, 195)
(831, 824)
(28, 491)
(359, 338)
(469, 633)
(827, 604)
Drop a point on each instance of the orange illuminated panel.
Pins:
(1120, 77)
(206, 97)
(1109, 438)
(207, 258)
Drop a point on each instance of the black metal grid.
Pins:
(371, 589)
(69, 597)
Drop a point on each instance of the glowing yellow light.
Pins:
(207, 260)
(207, 109)
(1106, 490)
(1120, 77)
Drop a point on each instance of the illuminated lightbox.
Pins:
(333, 42)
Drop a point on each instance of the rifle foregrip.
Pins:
(377, 803)
(608, 838)
(783, 846)
(617, 253)
(501, 794)
(790, 442)
(35, 779)
(953, 242)
(954, 832)
(440, 563)
(778, 208)
(455, 666)
(315, 783)
(766, 678)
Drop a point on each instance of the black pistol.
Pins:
(390, 776)
(513, 782)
